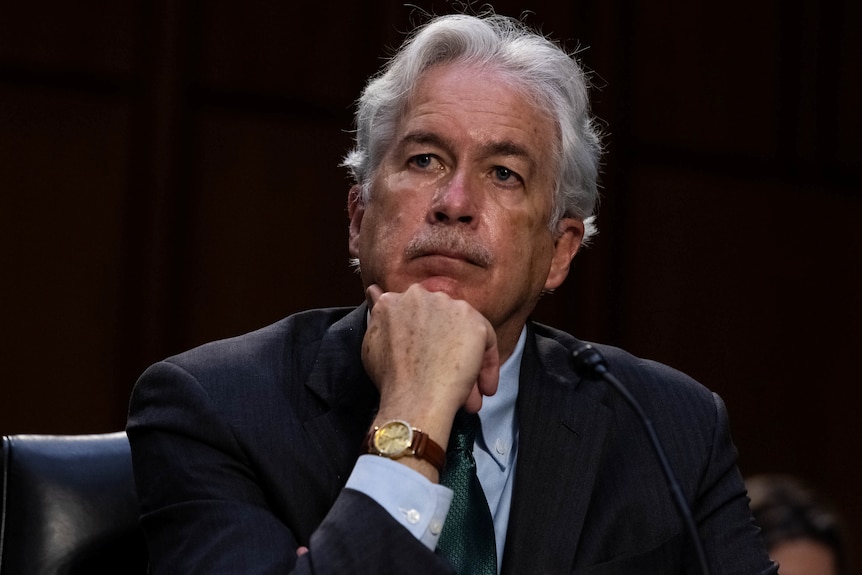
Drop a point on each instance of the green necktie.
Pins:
(467, 539)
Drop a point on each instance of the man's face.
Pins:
(462, 200)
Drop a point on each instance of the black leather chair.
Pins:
(69, 506)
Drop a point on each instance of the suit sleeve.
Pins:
(731, 539)
(204, 510)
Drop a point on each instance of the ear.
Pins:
(355, 211)
(571, 236)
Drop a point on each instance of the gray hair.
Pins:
(553, 78)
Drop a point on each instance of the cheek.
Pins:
(399, 199)
(384, 229)
(525, 233)
(535, 248)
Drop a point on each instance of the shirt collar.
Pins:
(499, 428)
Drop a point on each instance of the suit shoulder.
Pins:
(264, 349)
(645, 376)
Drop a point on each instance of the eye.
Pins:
(505, 175)
(422, 161)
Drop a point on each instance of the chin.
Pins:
(449, 286)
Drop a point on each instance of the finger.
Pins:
(372, 294)
(474, 401)
(300, 551)
(489, 372)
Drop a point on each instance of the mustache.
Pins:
(448, 241)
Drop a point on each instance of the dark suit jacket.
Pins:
(241, 449)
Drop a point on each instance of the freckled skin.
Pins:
(454, 246)
(467, 117)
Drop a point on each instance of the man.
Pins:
(475, 164)
(802, 531)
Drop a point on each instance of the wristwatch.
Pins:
(397, 438)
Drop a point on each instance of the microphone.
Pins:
(590, 364)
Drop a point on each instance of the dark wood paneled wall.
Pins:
(169, 175)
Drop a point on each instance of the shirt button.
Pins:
(500, 447)
(412, 516)
(436, 527)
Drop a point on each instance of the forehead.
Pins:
(484, 105)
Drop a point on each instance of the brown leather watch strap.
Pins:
(426, 448)
(422, 447)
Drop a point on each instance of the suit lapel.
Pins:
(562, 421)
(338, 378)
(562, 428)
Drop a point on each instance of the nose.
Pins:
(455, 202)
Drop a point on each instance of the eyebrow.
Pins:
(426, 138)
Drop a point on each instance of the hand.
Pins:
(429, 355)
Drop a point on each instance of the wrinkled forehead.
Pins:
(529, 107)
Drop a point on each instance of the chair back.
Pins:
(69, 506)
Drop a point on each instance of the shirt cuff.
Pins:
(414, 501)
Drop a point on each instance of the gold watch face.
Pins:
(393, 438)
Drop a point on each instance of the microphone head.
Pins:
(588, 362)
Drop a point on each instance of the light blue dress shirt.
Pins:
(420, 505)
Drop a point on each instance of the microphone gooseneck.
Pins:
(590, 364)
